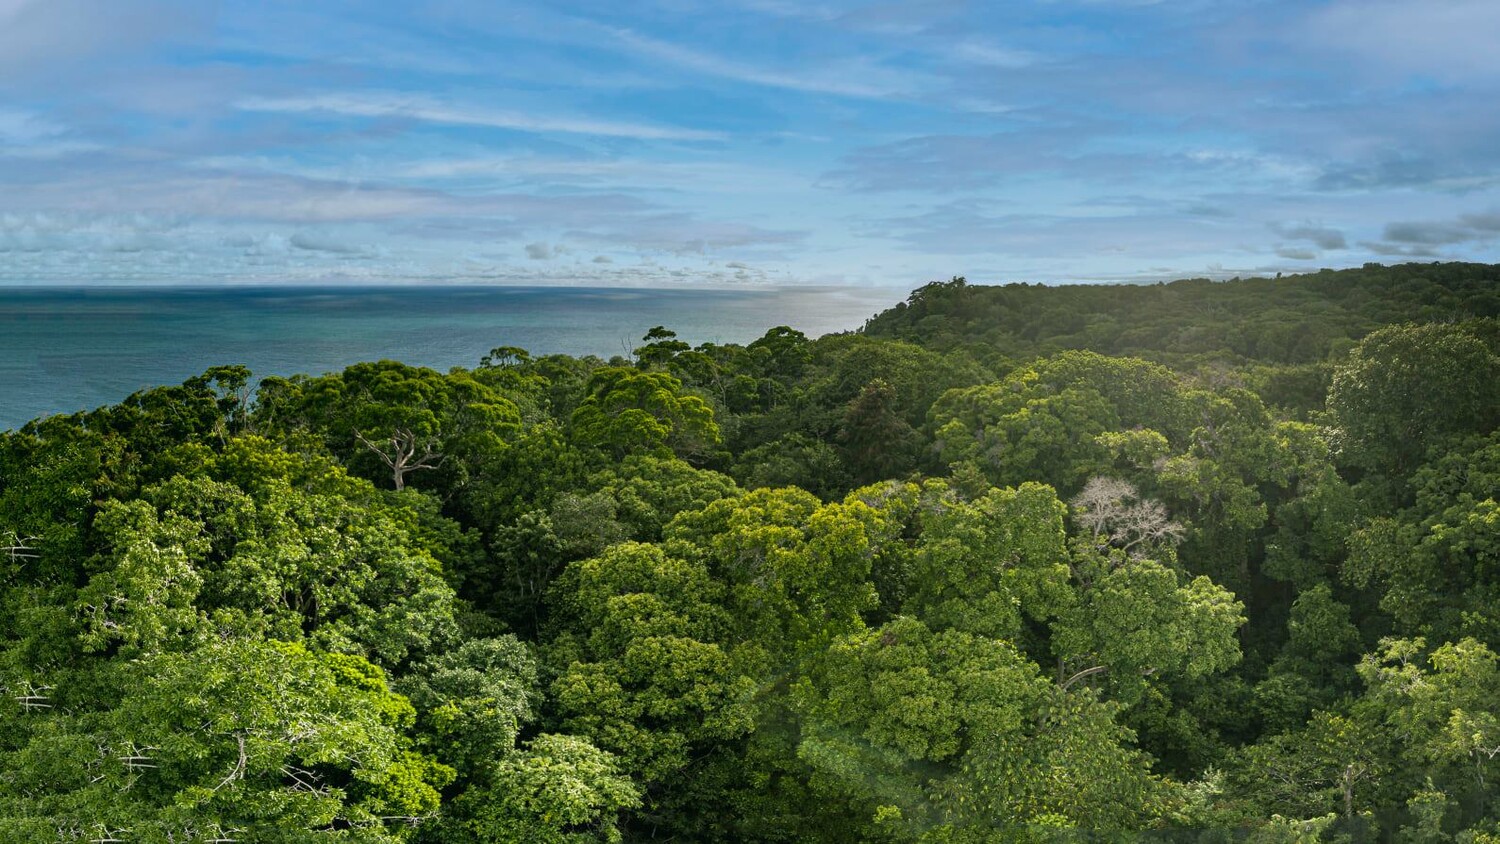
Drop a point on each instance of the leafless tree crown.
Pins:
(1113, 511)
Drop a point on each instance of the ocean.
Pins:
(63, 350)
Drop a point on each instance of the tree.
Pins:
(1043, 422)
(267, 740)
(960, 737)
(989, 565)
(795, 571)
(317, 560)
(1448, 715)
(1406, 388)
(471, 702)
(1334, 764)
(401, 418)
(633, 411)
(1115, 513)
(558, 790)
(639, 671)
(403, 452)
(877, 442)
(1134, 619)
(1436, 565)
(661, 346)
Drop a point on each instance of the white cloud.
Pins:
(27, 135)
(427, 109)
(698, 176)
(861, 80)
(978, 52)
(24, 127)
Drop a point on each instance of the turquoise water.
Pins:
(63, 350)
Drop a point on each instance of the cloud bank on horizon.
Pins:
(742, 141)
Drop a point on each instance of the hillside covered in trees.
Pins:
(1193, 561)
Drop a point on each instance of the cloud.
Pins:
(1074, 149)
(40, 36)
(1448, 39)
(140, 186)
(981, 53)
(1321, 236)
(28, 135)
(884, 18)
(683, 234)
(313, 242)
(1482, 222)
(859, 80)
(386, 104)
(25, 127)
(680, 174)
(1409, 170)
(816, 138)
(943, 162)
(227, 195)
(1395, 250)
(140, 248)
(1296, 254)
(115, 233)
(1424, 238)
(541, 250)
(1427, 234)
(973, 227)
(39, 247)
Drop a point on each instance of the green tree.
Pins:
(557, 790)
(988, 565)
(638, 669)
(632, 411)
(1406, 388)
(950, 733)
(877, 442)
(263, 739)
(395, 420)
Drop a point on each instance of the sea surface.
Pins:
(63, 350)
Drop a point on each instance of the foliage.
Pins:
(1196, 561)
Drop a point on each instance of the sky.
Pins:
(733, 142)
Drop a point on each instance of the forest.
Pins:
(1191, 561)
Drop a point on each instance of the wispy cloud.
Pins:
(27, 135)
(856, 140)
(859, 79)
(422, 108)
(979, 52)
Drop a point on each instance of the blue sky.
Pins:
(661, 142)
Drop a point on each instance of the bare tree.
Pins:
(404, 452)
(1115, 513)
